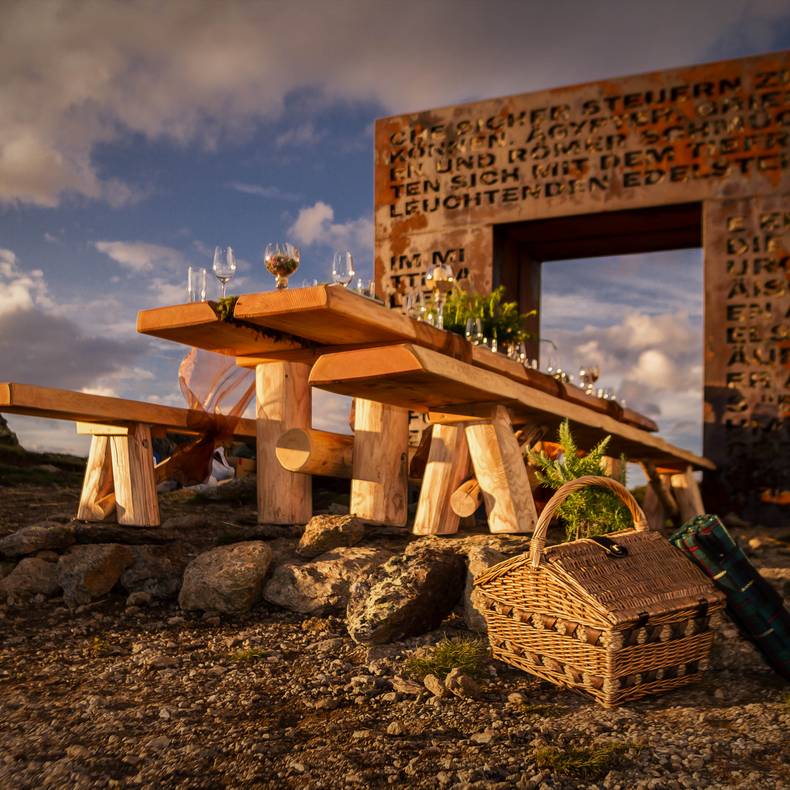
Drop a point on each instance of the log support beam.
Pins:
(500, 471)
(447, 466)
(315, 452)
(282, 402)
(379, 485)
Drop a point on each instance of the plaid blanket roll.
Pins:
(752, 603)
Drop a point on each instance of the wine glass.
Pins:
(281, 259)
(224, 266)
(440, 279)
(343, 268)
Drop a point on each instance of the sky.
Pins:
(136, 135)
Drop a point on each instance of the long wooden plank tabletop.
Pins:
(308, 322)
(34, 401)
(419, 378)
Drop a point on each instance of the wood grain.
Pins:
(447, 466)
(133, 478)
(413, 377)
(61, 404)
(499, 469)
(313, 452)
(282, 402)
(379, 486)
(97, 499)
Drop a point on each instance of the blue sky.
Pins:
(134, 136)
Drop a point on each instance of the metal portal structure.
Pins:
(691, 157)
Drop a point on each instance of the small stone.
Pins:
(159, 743)
(161, 662)
(461, 685)
(756, 544)
(77, 752)
(390, 696)
(164, 713)
(516, 698)
(323, 533)
(434, 685)
(358, 735)
(395, 728)
(176, 620)
(139, 599)
(31, 578)
(486, 736)
(408, 687)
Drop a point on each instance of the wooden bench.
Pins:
(120, 475)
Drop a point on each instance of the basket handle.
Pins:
(625, 496)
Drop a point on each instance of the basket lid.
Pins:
(652, 577)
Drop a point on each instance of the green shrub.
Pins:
(590, 763)
(593, 511)
(469, 654)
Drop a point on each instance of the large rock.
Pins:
(7, 436)
(478, 560)
(32, 576)
(46, 536)
(226, 579)
(88, 572)
(408, 595)
(324, 533)
(323, 585)
(157, 570)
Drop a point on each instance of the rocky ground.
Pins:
(139, 692)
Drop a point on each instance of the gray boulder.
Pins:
(408, 595)
(226, 579)
(323, 585)
(324, 533)
(157, 570)
(49, 535)
(7, 436)
(89, 572)
(32, 576)
(479, 559)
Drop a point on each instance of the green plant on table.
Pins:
(500, 319)
(224, 307)
(592, 511)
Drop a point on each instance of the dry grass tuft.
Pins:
(468, 654)
(589, 763)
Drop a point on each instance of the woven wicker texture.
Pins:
(616, 627)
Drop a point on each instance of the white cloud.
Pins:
(315, 225)
(20, 290)
(76, 75)
(271, 192)
(140, 256)
(303, 135)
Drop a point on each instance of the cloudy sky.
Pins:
(136, 135)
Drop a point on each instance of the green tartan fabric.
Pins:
(752, 603)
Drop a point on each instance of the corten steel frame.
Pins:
(694, 157)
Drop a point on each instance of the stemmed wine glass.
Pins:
(343, 268)
(224, 266)
(440, 278)
(281, 260)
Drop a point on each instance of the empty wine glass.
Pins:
(470, 329)
(224, 266)
(480, 338)
(196, 284)
(343, 268)
(281, 259)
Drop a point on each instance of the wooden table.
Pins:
(337, 340)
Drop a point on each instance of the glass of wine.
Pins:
(440, 279)
(343, 268)
(224, 266)
(281, 259)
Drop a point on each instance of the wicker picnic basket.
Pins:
(619, 617)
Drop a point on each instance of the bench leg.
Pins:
(283, 401)
(379, 485)
(133, 474)
(97, 499)
(500, 471)
(447, 468)
(687, 495)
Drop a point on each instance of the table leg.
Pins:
(687, 495)
(283, 401)
(136, 500)
(500, 471)
(97, 499)
(379, 486)
(447, 468)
